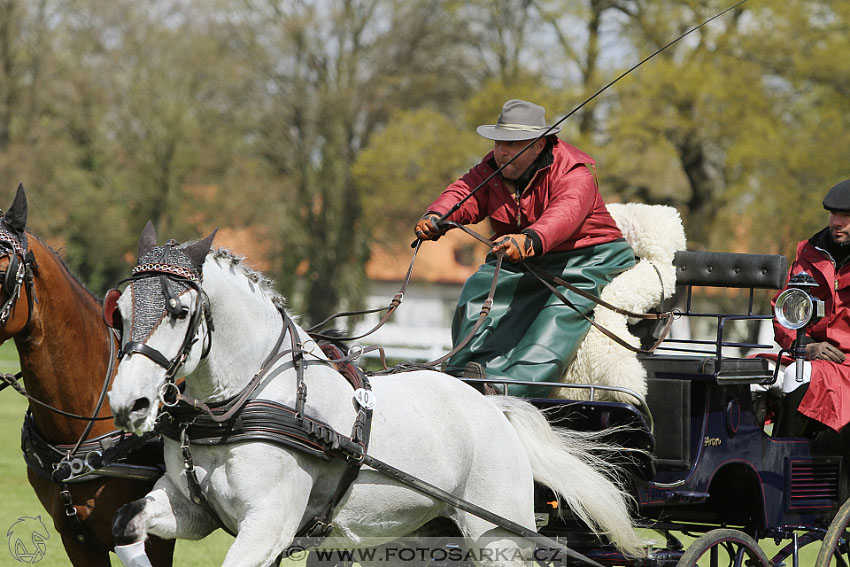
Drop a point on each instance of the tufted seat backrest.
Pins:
(727, 269)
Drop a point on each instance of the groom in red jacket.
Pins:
(825, 392)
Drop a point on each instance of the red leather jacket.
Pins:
(561, 203)
(828, 397)
(833, 288)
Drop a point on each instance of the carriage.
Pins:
(710, 459)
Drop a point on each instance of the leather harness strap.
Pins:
(394, 303)
(482, 316)
(242, 419)
(546, 278)
(270, 422)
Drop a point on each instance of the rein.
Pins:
(550, 281)
(237, 403)
(12, 380)
(394, 303)
(547, 279)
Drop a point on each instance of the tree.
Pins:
(715, 109)
(330, 79)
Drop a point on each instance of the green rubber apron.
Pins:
(530, 334)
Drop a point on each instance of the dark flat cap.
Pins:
(838, 198)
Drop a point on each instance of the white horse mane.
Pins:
(267, 284)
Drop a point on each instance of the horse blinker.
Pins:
(11, 275)
(111, 315)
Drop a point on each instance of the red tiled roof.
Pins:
(451, 259)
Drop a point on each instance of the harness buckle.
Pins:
(355, 352)
(311, 350)
(68, 501)
(358, 458)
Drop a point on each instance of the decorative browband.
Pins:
(7, 237)
(171, 269)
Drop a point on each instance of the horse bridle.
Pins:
(175, 308)
(18, 272)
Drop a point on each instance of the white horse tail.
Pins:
(562, 461)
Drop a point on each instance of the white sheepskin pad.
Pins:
(655, 233)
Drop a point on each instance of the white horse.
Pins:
(485, 450)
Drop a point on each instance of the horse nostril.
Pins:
(140, 405)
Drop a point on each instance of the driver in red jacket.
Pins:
(544, 208)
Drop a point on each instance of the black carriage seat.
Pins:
(727, 269)
(670, 377)
(707, 368)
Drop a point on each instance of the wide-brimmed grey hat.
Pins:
(519, 120)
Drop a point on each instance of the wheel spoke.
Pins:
(734, 546)
(739, 557)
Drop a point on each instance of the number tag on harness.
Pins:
(366, 398)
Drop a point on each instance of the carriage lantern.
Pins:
(796, 308)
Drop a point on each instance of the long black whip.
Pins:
(460, 203)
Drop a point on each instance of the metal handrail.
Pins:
(641, 405)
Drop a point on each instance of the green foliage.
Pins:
(318, 127)
(407, 165)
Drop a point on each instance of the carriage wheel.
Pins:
(836, 542)
(724, 547)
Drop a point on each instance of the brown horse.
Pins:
(67, 357)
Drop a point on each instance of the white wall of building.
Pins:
(420, 329)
